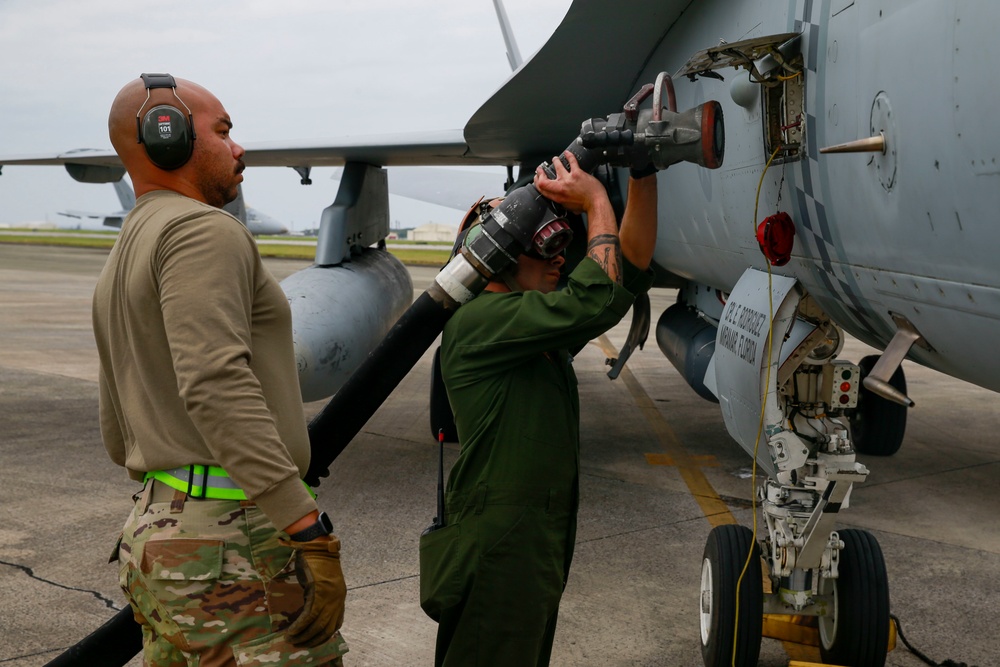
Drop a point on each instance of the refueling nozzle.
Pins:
(659, 136)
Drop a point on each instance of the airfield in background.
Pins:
(632, 597)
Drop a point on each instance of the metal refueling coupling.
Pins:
(457, 283)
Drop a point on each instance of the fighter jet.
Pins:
(849, 201)
(853, 190)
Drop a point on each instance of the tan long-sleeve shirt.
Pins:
(197, 365)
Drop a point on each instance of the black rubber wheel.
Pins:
(857, 632)
(878, 424)
(441, 414)
(725, 621)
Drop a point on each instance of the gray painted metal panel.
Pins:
(340, 313)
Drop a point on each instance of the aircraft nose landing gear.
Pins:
(852, 609)
(785, 398)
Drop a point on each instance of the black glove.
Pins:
(317, 567)
(642, 172)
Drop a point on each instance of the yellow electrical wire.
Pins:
(760, 425)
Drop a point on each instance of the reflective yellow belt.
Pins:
(201, 481)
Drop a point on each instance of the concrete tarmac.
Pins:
(632, 597)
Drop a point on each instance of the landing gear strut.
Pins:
(787, 398)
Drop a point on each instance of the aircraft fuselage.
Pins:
(910, 232)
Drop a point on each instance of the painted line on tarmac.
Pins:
(689, 467)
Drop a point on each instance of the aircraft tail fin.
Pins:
(237, 207)
(513, 53)
(125, 194)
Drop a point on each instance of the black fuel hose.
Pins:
(352, 406)
(368, 387)
(111, 645)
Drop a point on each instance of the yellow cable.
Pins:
(760, 425)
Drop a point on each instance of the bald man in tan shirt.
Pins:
(226, 558)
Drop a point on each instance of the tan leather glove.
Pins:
(317, 567)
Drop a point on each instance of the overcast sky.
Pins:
(284, 69)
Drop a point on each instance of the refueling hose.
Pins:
(508, 231)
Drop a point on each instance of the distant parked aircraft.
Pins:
(256, 221)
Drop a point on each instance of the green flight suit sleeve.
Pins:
(507, 328)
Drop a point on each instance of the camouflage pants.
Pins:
(211, 585)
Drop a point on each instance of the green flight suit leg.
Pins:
(512, 581)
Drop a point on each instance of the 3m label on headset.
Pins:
(164, 125)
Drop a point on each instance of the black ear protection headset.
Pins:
(165, 131)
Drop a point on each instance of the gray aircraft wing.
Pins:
(85, 156)
(442, 148)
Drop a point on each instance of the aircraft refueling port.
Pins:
(774, 65)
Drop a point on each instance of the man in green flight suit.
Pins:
(494, 575)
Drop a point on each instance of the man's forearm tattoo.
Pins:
(606, 250)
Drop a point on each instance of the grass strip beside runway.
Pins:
(432, 256)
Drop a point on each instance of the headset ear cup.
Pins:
(167, 136)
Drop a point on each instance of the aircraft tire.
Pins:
(723, 622)
(878, 424)
(441, 414)
(857, 633)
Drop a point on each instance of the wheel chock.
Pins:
(795, 629)
(803, 630)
